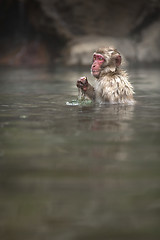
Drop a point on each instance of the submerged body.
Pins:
(111, 82)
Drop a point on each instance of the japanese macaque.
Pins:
(111, 82)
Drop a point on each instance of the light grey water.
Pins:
(77, 172)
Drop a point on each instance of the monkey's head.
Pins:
(105, 60)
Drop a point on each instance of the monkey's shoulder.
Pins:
(118, 80)
(115, 88)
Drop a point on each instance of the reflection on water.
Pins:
(77, 172)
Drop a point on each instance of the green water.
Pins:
(77, 172)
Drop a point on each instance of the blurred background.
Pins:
(41, 32)
(84, 172)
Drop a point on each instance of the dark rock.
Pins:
(73, 29)
(30, 54)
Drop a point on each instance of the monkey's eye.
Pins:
(100, 58)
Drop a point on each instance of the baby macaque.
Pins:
(111, 84)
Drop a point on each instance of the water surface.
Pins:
(77, 172)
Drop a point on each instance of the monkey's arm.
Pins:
(90, 92)
(86, 88)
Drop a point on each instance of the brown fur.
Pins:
(112, 83)
(114, 87)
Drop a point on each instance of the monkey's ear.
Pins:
(118, 60)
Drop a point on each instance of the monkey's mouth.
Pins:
(95, 73)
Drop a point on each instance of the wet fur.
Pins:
(112, 85)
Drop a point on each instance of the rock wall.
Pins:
(145, 52)
(72, 29)
(133, 27)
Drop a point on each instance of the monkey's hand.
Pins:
(82, 83)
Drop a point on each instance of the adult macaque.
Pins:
(111, 83)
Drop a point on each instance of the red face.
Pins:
(98, 60)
